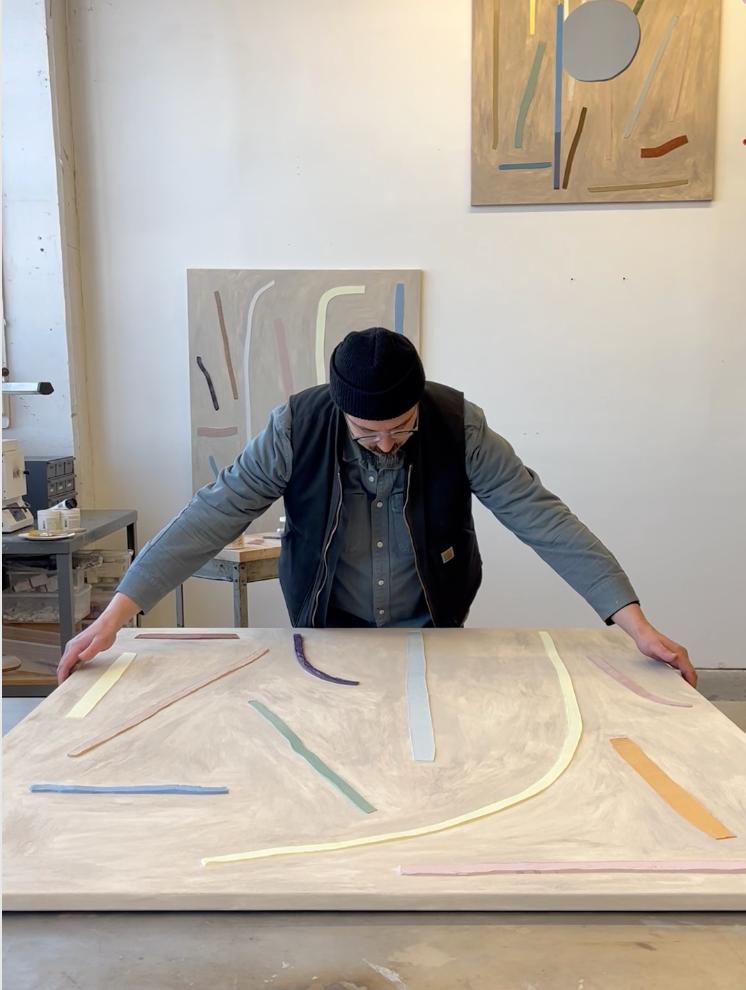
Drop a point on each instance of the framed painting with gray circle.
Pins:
(601, 101)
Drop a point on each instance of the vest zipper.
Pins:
(326, 549)
(414, 548)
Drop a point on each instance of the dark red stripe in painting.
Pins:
(663, 149)
(217, 431)
(226, 345)
(283, 357)
(574, 147)
(208, 379)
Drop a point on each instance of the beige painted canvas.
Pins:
(527, 774)
(257, 336)
(600, 101)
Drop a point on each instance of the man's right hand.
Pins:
(99, 636)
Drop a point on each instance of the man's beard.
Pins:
(390, 459)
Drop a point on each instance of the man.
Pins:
(377, 471)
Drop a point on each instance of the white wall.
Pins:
(607, 343)
(36, 335)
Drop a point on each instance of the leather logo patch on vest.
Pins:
(447, 555)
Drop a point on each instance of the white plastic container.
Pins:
(49, 520)
(70, 519)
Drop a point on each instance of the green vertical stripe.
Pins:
(528, 94)
(299, 747)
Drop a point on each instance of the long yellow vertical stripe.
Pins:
(532, 16)
(326, 298)
(104, 684)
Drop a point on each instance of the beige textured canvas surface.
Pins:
(498, 718)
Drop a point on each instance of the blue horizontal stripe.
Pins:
(512, 166)
(138, 789)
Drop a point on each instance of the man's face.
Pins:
(383, 436)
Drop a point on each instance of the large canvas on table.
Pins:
(256, 336)
(599, 101)
(531, 737)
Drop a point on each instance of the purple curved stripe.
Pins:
(634, 686)
(208, 379)
(283, 357)
(301, 658)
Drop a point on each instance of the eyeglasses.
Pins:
(397, 434)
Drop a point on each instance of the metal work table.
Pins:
(248, 559)
(97, 524)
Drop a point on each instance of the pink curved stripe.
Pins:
(283, 357)
(580, 866)
(634, 686)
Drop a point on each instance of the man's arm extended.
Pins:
(215, 516)
(654, 644)
(516, 496)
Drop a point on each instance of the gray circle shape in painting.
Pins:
(601, 38)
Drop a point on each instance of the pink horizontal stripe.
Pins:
(187, 636)
(634, 686)
(217, 431)
(581, 866)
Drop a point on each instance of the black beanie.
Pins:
(376, 374)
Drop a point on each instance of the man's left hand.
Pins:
(654, 644)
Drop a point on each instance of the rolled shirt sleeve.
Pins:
(515, 495)
(216, 515)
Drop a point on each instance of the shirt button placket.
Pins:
(379, 559)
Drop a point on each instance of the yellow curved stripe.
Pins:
(564, 758)
(326, 298)
(105, 682)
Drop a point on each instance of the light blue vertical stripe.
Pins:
(418, 702)
(399, 308)
(214, 465)
(560, 31)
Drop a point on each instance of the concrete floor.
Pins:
(374, 952)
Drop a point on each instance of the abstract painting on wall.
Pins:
(255, 337)
(599, 101)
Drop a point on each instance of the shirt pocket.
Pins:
(400, 538)
(357, 524)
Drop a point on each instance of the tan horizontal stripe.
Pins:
(639, 185)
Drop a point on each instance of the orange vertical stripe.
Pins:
(672, 793)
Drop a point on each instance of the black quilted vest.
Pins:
(437, 507)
